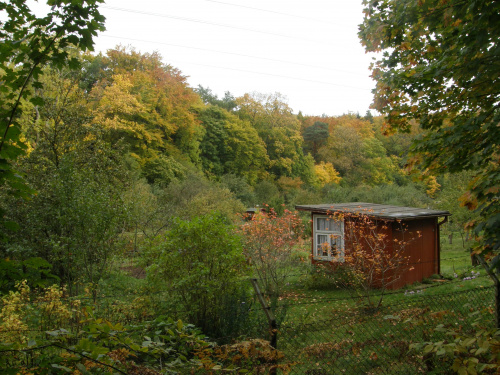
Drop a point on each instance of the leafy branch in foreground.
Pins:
(28, 44)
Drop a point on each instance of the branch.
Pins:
(89, 358)
(26, 81)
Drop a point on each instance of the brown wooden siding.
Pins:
(421, 237)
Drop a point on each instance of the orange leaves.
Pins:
(372, 252)
(269, 240)
(468, 200)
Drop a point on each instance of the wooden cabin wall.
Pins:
(421, 249)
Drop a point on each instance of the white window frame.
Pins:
(334, 236)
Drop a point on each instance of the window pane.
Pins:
(335, 225)
(321, 223)
(335, 246)
(322, 245)
(327, 224)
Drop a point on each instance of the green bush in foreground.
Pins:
(201, 263)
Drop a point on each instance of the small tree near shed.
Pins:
(269, 240)
(375, 259)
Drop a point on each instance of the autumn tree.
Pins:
(279, 128)
(269, 241)
(375, 253)
(326, 174)
(149, 105)
(440, 66)
(75, 218)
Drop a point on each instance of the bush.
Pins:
(462, 352)
(325, 277)
(201, 262)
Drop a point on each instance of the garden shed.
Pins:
(416, 229)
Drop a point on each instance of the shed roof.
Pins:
(383, 211)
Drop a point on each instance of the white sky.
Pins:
(307, 50)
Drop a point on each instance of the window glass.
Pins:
(326, 224)
(321, 223)
(322, 245)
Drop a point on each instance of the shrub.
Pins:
(462, 352)
(201, 262)
(325, 277)
(269, 243)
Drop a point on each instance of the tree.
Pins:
(326, 174)
(228, 102)
(149, 104)
(375, 258)
(74, 219)
(269, 242)
(28, 44)
(196, 196)
(440, 66)
(279, 128)
(316, 135)
(231, 145)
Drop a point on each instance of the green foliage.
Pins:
(266, 192)
(315, 136)
(102, 347)
(36, 271)
(230, 145)
(163, 170)
(462, 353)
(453, 187)
(200, 261)
(195, 196)
(228, 102)
(440, 67)
(74, 220)
(240, 188)
(326, 277)
(410, 195)
(279, 128)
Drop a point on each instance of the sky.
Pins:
(307, 51)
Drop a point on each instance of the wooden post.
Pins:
(273, 326)
(493, 275)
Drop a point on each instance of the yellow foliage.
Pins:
(12, 325)
(17, 311)
(432, 186)
(326, 174)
